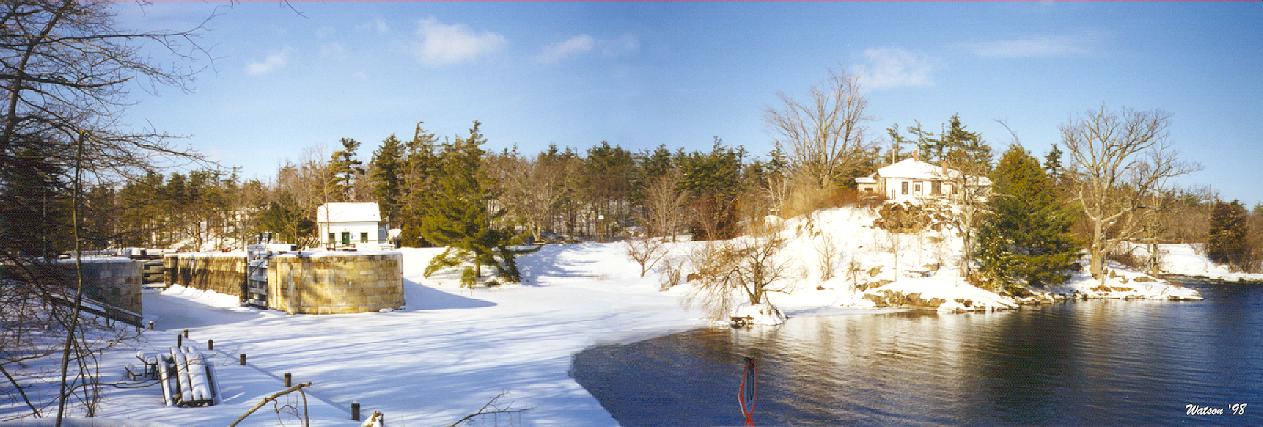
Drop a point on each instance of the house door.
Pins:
(346, 237)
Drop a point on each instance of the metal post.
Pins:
(289, 380)
(243, 359)
(355, 411)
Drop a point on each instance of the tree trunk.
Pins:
(1097, 252)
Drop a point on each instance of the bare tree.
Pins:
(825, 133)
(1118, 159)
(646, 251)
(750, 264)
(827, 253)
(664, 205)
(65, 72)
(898, 219)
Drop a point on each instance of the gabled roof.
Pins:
(915, 169)
(348, 212)
(911, 168)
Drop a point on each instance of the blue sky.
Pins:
(640, 75)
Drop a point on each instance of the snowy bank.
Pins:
(1190, 260)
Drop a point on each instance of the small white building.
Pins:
(350, 224)
(912, 180)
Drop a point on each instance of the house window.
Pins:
(363, 237)
(936, 187)
(918, 188)
(905, 187)
(332, 238)
(346, 237)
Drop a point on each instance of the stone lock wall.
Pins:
(114, 281)
(170, 269)
(220, 272)
(335, 283)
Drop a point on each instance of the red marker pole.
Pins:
(747, 394)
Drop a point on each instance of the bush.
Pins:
(468, 278)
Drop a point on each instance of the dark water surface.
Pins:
(1096, 362)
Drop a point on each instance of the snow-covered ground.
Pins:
(439, 359)
(451, 349)
(1191, 260)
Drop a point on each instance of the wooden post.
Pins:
(179, 341)
(289, 380)
(243, 359)
(210, 344)
(355, 411)
(151, 325)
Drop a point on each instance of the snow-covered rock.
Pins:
(759, 314)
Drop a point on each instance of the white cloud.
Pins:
(274, 61)
(576, 45)
(1030, 47)
(894, 67)
(583, 44)
(333, 50)
(446, 44)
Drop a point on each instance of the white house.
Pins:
(912, 180)
(350, 224)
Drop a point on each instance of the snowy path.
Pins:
(430, 364)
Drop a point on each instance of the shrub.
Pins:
(468, 278)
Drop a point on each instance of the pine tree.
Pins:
(1052, 165)
(1026, 240)
(344, 167)
(387, 176)
(420, 169)
(459, 216)
(1229, 229)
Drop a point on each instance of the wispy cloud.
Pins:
(1031, 47)
(583, 44)
(274, 61)
(558, 51)
(447, 44)
(893, 67)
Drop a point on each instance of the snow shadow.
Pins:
(421, 297)
(547, 262)
(172, 312)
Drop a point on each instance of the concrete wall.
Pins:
(335, 282)
(220, 272)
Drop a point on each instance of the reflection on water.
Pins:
(1098, 362)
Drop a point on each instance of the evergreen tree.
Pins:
(387, 176)
(344, 167)
(1026, 240)
(459, 217)
(1052, 165)
(420, 169)
(1229, 230)
(713, 180)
